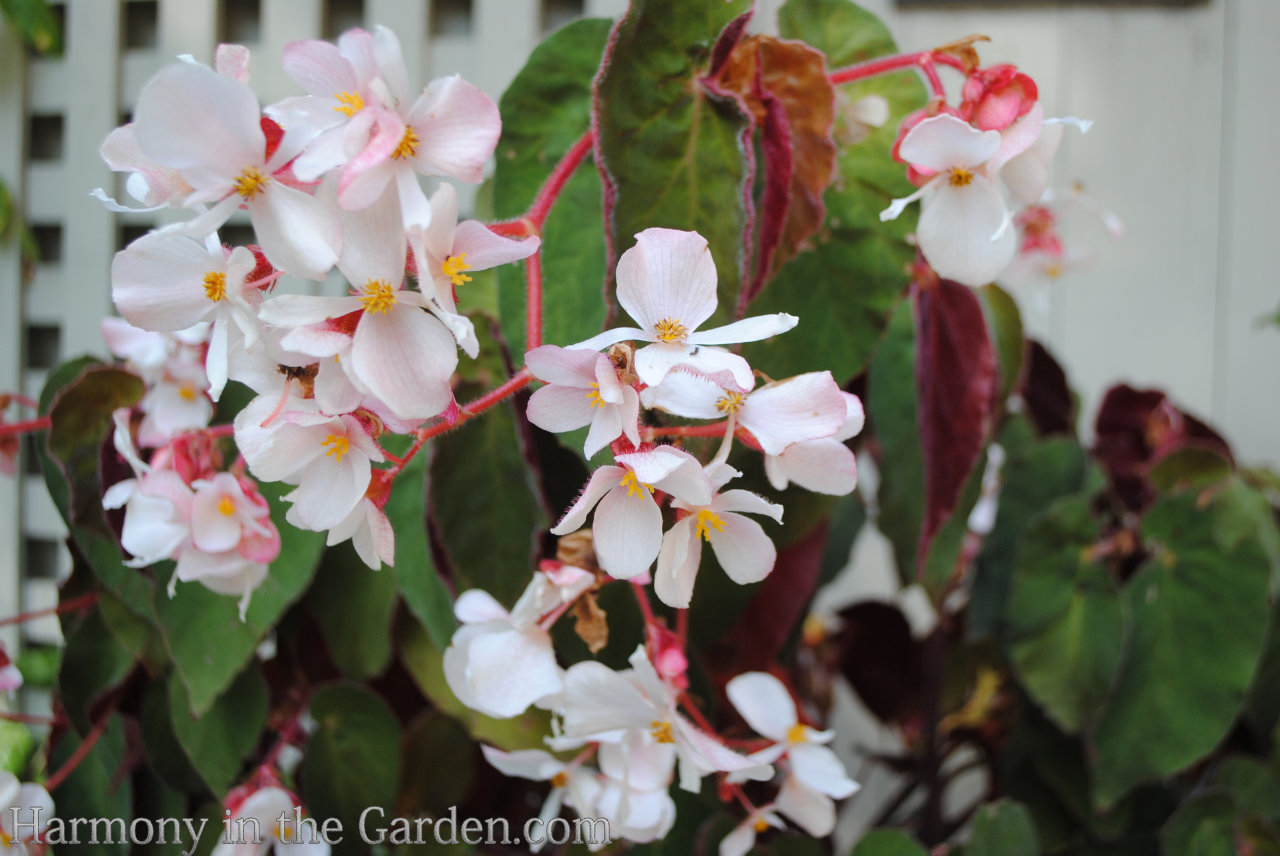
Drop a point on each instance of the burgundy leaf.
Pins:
(881, 660)
(955, 381)
(1046, 394)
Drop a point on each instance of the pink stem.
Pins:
(8, 429)
(714, 429)
(66, 606)
(533, 301)
(21, 399)
(924, 60)
(81, 751)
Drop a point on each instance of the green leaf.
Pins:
(352, 760)
(203, 632)
(219, 742)
(35, 22)
(1253, 784)
(1035, 473)
(16, 745)
(93, 662)
(436, 742)
(39, 665)
(672, 151)
(845, 288)
(1201, 827)
(1065, 618)
(1004, 324)
(545, 110)
(1003, 828)
(353, 606)
(486, 506)
(887, 842)
(164, 752)
(94, 789)
(420, 585)
(425, 664)
(1203, 589)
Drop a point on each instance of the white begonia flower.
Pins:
(266, 805)
(207, 127)
(499, 663)
(153, 184)
(177, 403)
(964, 229)
(34, 809)
(742, 839)
(808, 808)
(393, 350)
(168, 283)
(741, 546)
(768, 708)
(582, 389)
(572, 785)
(157, 504)
(370, 533)
(825, 465)
(610, 707)
(627, 529)
(778, 414)
(446, 249)
(667, 284)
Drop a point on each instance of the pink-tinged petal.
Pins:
(601, 482)
(629, 412)
(151, 533)
(686, 394)
(405, 357)
(151, 183)
(817, 767)
(806, 407)
(561, 408)
(190, 118)
(653, 362)
(508, 671)
(553, 364)
(823, 466)
(667, 275)
(415, 210)
(319, 342)
(477, 605)
(380, 543)
(484, 249)
(678, 561)
(388, 61)
(945, 141)
(628, 532)
(326, 152)
(854, 420)
(211, 530)
(298, 310)
(612, 337)
(232, 61)
(813, 812)
(743, 550)
(764, 703)
(334, 390)
(373, 243)
(298, 233)
(531, 764)
(653, 465)
(751, 329)
(374, 133)
(319, 68)
(157, 282)
(598, 700)
(1016, 139)
(458, 126)
(438, 236)
(963, 233)
(708, 753)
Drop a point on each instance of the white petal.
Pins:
(628, 532)
(526, 763)
(764, 703)
(601, 482)
(458, 125)
(743, 550)
(747, 330)
(822, 466)
(561, 408)
(298, 233)
(817, 767)
(508, 670)
(956, 229)
(945, 141)
(805, 407)
(564, 366)
(667, 275)
(813, 812)
(405, 357)
(678, 562)
(477, 605)
(654, 361)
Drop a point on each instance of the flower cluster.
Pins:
(330, 179)
(971, 162)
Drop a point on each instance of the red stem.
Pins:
(19, 398)
(66, 606)
(935, 82)
(714, 429)
(469, 411)
(924, 60)
(642, 600)
(28, 719)
(533, 301)
(81, 751)
(8, 429)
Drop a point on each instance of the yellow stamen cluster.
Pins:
(670, 330)
(251, 182)
(559, 780)
(730, 402)
(337, 446)
(797, 734)
(453, 268)
(226, 506)
(187, 392)
(349, 103)
(661, 732)
(634, 486)
(761, 824)
(960, 177)
(708, 520)
(1053, 271)
(379, 296)
(408, 146)
(594, 399)
(215, 285)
